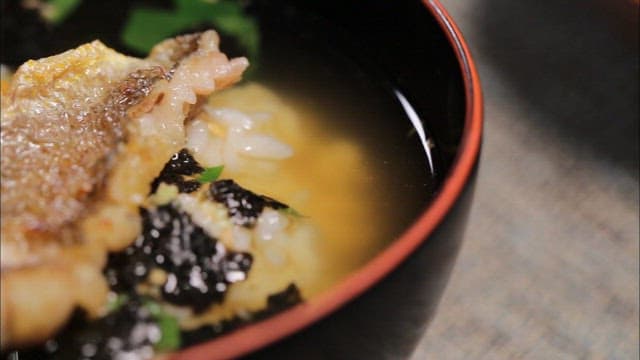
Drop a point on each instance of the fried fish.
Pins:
(83, 135)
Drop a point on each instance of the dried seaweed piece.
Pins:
(181, 164)
(199, 268)
(131, 329)
(283, 300)
(276, 303)
(243, 206)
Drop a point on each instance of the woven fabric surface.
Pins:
(549, 266)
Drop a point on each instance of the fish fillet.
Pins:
(83, 135)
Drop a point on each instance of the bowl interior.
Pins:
(390, 60)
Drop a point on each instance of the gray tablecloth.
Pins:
(549, 268)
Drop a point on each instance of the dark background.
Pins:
(549, 266)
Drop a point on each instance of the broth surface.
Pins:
(328, 180)
(359, 173)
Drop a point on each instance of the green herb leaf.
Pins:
(198, 9)
(154, 308)
(58, 10)
(117, 302)
(210, 174)
(244, 29)
(170, 338)
(148, 26)
(169, 327)
(293, 212)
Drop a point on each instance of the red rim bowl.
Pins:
(261, 334)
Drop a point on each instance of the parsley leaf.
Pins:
(117, 302)
(56, 11)
(292, 212)
(210, 174)
(168, 324)
(147, 26)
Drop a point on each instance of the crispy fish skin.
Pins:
(53, 141)
(158, 132)
(62, 119)
(83, 135)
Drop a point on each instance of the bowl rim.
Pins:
(255, 336)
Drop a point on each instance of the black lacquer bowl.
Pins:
(413, 51)
(381, 310)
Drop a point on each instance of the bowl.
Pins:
(381, 310)
(415, 50)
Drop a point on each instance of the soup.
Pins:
(331, 185)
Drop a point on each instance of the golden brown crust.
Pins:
(70, 123)
(54, 134)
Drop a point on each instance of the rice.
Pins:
(227, 136)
